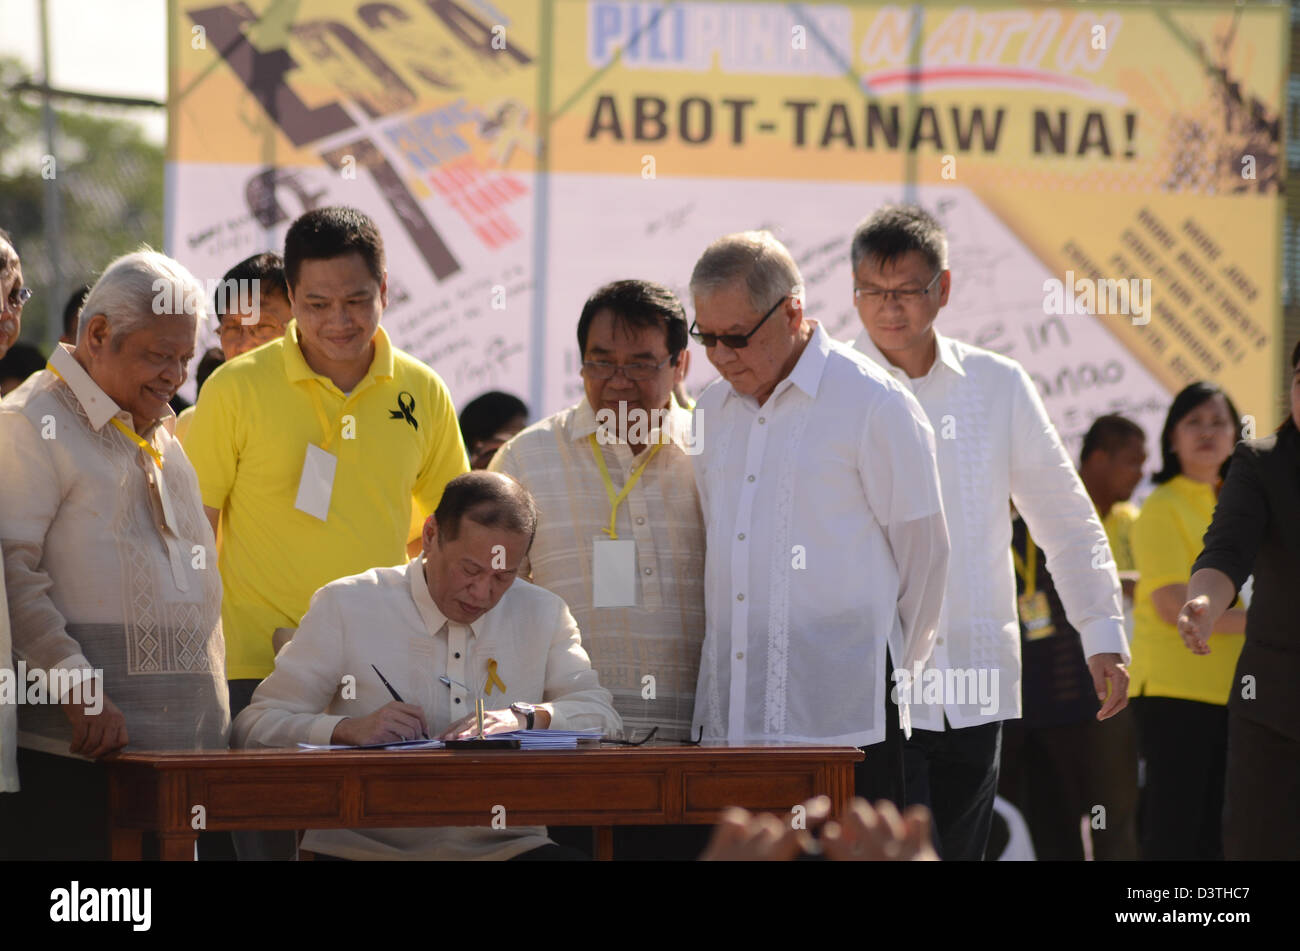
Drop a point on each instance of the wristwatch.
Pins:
(526, 710)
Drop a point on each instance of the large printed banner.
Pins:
(1109, 175)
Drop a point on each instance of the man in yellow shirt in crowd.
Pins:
(319, 451)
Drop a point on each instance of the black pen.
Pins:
(396, 695)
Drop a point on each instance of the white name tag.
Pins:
(317, 483)
(613, 573)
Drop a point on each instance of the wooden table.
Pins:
(292, 789)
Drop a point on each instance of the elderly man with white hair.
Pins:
(12, 293)
(109, 561)
(826, 534)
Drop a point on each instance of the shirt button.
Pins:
(740, 597)
(762, 419)
(458, 655)
(649, 571)
(741, 536)
(640, 521)
(938, 640)
(751, 478)
(458, 699)
(740, 655)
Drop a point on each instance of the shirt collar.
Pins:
(98, 405)
(297, 368)
(946, 353)
(676, 425)
(807, 372)
(433, 618)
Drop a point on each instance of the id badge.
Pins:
(317, 483)
(613, 573)
(1036, 615)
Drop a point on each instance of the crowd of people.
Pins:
(882, 544)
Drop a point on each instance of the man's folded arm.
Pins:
(573, 694)
(288, 707)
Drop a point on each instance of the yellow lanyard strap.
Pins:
(126, 430)
(1028, 573)
(616, 500)
(324, 419)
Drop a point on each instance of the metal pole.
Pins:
(53, 204)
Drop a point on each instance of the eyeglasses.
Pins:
(653, 730)
(20, 297)
(633, 371)
(732, 341)
(904, 295)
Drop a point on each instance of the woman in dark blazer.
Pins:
(1256, 529)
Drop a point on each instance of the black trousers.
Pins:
(1054, 775)
(1184, 743)
(1261, 810)
(59, 814)
(954, 773)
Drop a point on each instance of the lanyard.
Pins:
(616, 500)
(324, 419)
(1030, 573)
(126, 430)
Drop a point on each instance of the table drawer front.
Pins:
(389, 797)
(704, 795)
(293, 796)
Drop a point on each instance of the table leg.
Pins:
(177, 846)
(604, 843)
(126, 845)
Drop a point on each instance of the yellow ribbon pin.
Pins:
(493, 678)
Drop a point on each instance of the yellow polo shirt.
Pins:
(1167, 538)
(397, 442)
(1118, 524)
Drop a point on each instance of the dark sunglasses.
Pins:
(732, 341)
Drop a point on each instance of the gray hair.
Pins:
(139, 287)
(894, 230)
(755, 257)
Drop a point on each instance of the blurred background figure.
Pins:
(1110, 465)
(71, 314)
(1181, 697)
(1254, 530)
(487, 422)
(237, 334)
(12, 293)
(1059, 763)
(18, 364)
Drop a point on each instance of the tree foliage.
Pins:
(110, 179)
